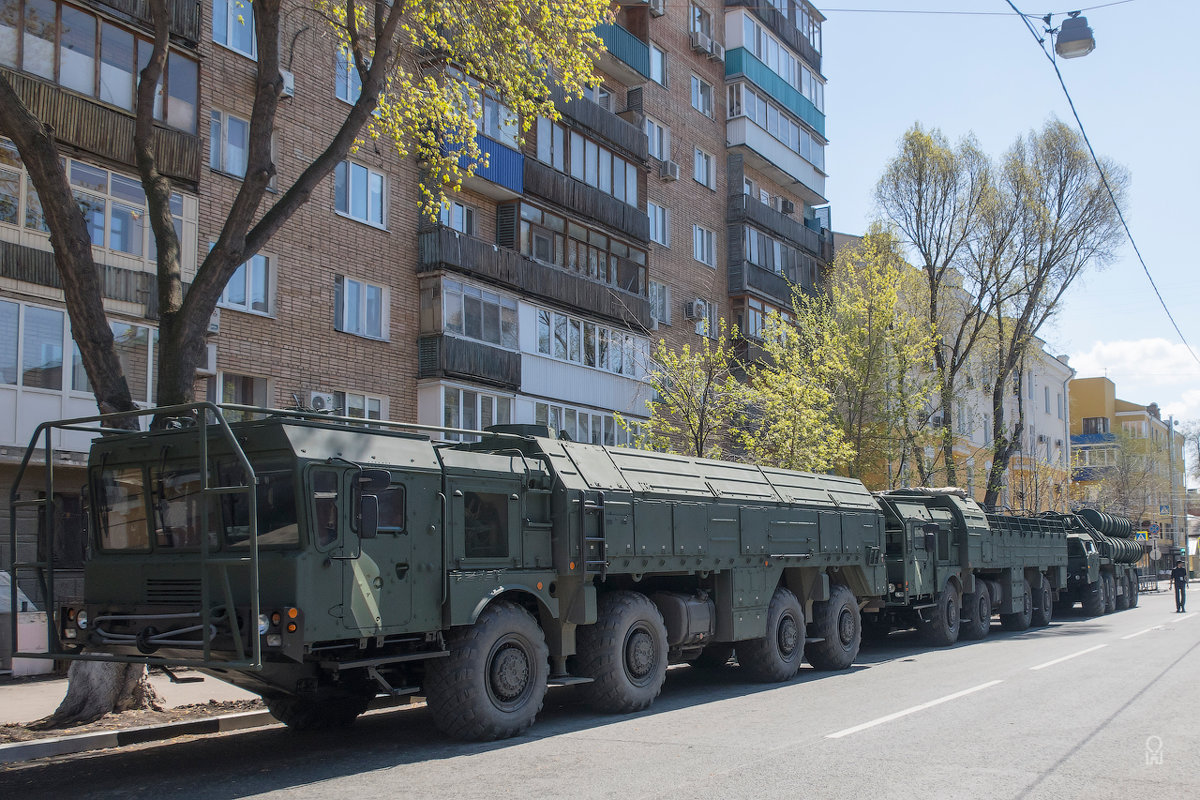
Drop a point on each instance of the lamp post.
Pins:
(1073, 38)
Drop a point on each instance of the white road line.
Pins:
(1186, 616)
(913, 710)
(1139, 633)
(1068, 658)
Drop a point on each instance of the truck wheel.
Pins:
(1043, 605)
(945, 619)
(624, 653)
(314, 714)
(839, 623)
(777, 656)
(1019, 620)
(1093, 598)
(1109, 587)
(977, 612)
(1134, 590)
(714, 656)
(492, 684)
(1123, 597)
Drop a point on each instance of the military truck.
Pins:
(319, 561)
(1102, 563)
(951, 567)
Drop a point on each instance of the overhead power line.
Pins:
(1104, 178)
(961, 13)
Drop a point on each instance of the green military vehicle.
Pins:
(1102, 563)
(320, 561)
(950, 567)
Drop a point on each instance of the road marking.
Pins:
(1186, 616)
(1139, 633)
(913, 710)
(1068, 658)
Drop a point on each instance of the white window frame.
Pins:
(343, 398)
(453, 211)
(709, 325)
(700, 20)
(659, 137)
(360, 288)
(660, 223)
(477, 423)
(247, 270)
(660, 302)
(658, 56)
(347, 84)
(702, 96)
(599, 423)
(701, 158)
(455, 289)
(235, 13)
(218, 156)
(704, 245)
(350, 189)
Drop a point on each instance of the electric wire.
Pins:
(1104, 178)
(962, 13)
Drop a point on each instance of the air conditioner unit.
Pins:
(1041, 438)
(669, 170)
(701, 42)
(783, 205)
(214, 322)
(696, 309)
(289, 84)
(321, 401)
(717, 53)
(1058, 442)
(658, 8)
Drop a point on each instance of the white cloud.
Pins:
(1146, 371)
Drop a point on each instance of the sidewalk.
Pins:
(25, 700)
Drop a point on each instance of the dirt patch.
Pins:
(23, 732)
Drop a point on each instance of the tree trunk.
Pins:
(96, 688)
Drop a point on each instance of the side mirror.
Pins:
(368, 517)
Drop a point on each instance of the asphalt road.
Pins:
(1095, 708)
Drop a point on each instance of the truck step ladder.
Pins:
(595, 554)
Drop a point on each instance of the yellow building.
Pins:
(1127, 460)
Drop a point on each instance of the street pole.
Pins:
(1171, 490)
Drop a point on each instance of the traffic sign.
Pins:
(1155, 554)
(1154, 527)
(1140, 536)
(1164, 510)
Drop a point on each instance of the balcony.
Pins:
(782, 27)
(626, 57)
(740, 62)
(185, 15)
(101, 129)
(606, 125)
(442, 248)
(575, 195)
(743, 208)
(764, 152)
(32, 265)
(504, 176)
(745, 276)
(451, 357)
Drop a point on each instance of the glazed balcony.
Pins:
(764, 152)
(606, 125)
(569, 193)
(450, 357)
(739, 62)
(745, 209)
(440, 247)
(782, 27)
(626, 57)
(746, 277)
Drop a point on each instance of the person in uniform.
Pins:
(1179, 578)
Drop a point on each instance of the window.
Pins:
(551, 239)
(244, 390)
(660, 139)
(700, 20)
(474, 313)
(702, 96)
(360, 308)
(757, 107)
(658, 64)
(702, 169)
(660, 224)
(363, 406)
(753, 315)
(568, 338)
(660, 302)
(587, 161)
(229, 143)
(708, 325)
(348, 86)
(458, 216)
(704, 245)
(776, 255)
(474, 410)
(135, 346)
(601, 95)
(359, 193)
(233, 26)
(1046, 390)
(1093, 425)
(92, 56)
(1060, 405)
(776, 56)
(485, 525)
(498, 122)
(585, 425)
(249, 288)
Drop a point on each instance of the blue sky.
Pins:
(1137, 95)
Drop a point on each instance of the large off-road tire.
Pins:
(976, 613)
(777, 656)
(837, 622)
(1020, 620)
(1043, 605)
(493, 683)
(1134, 591)
(624, 653)
(1123, 597)
(1093, 599)
(715, 656)
(944, 621)
(301, 713)
(1109, 586)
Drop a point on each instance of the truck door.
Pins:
(484, 524)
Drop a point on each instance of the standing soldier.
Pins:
(1179, 578)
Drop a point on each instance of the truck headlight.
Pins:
(891, 588)
(263, 624)
(81, 619)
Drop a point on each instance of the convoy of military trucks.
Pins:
(321, 561)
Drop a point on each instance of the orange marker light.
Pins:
(539, 585)
(293, 613)
(572, 565)
(275, 617)
(291, 627)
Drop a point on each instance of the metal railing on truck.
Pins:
(44, 567)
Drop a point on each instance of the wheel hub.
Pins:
(509, 673)
(640, 657)
(788, 635)
(846, 626)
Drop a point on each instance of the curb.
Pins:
(68, 745)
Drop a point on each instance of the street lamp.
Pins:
(1074, 37)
